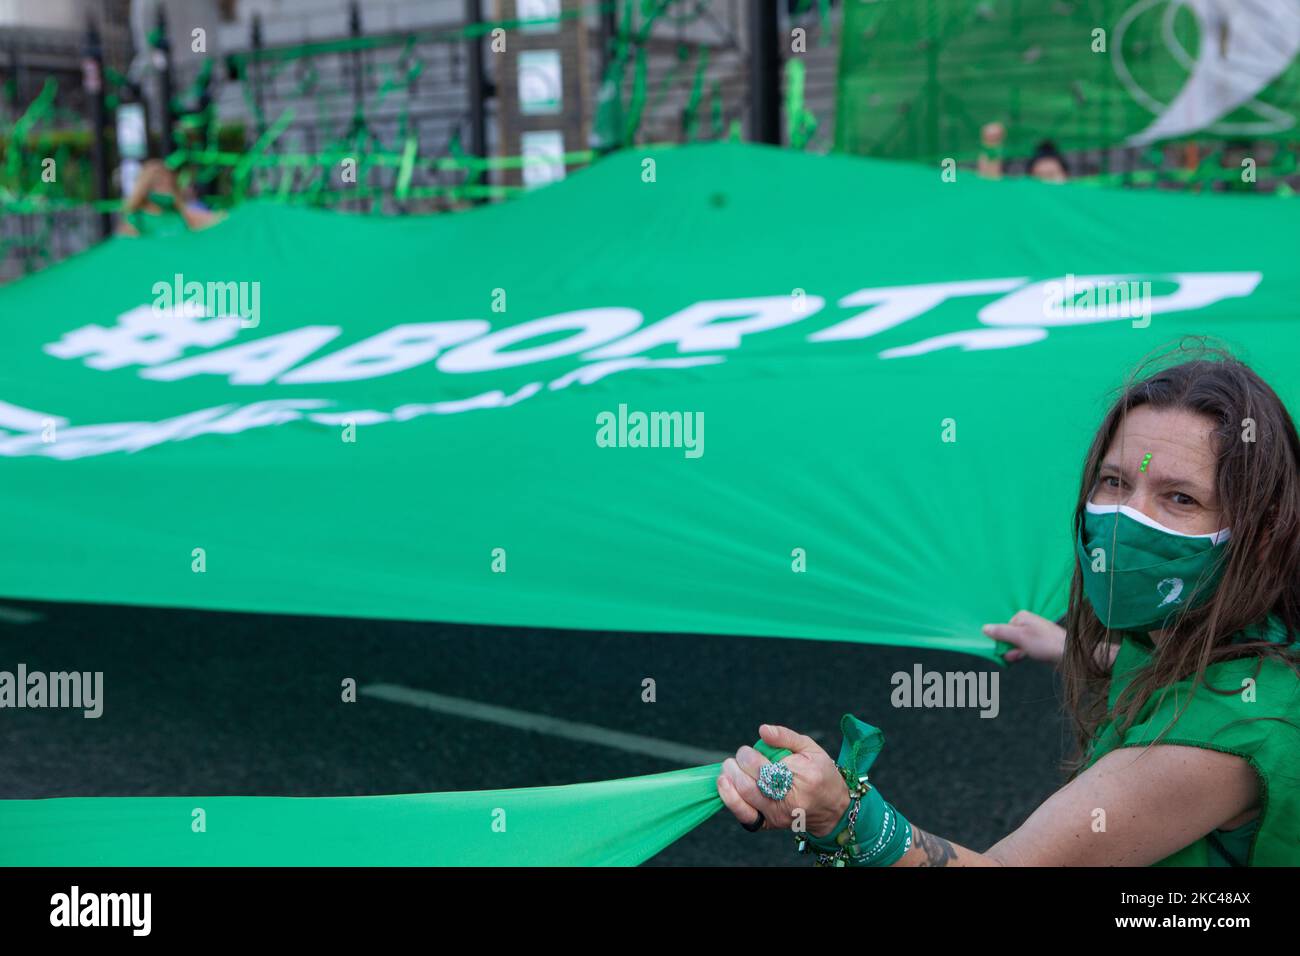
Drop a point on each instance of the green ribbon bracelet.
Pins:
(870, 832)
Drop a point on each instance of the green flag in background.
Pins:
(875, 389)
(918, 78)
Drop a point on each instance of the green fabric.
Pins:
(611, 823)
(152, 224)
(1136, 576)
(1264, 731)
(860, 746)
(1235, 842)
(163, 200)
(828, 502)
(167, 224)
(918, 80)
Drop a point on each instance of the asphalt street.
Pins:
(201, 703)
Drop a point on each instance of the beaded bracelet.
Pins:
(841, 839)
(840, 847)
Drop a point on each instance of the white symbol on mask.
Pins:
(1174, 590)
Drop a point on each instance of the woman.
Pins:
(1181, 668)
(158, 190)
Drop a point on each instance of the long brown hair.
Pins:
(1257, 478)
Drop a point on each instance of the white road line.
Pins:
(681, 754)
(16, 615)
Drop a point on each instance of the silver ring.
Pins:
(775, 780)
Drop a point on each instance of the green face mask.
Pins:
(1137, 573)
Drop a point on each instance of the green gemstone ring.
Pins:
(775, 781)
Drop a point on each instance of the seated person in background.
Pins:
(1047, 164)
(989, 163)
(157, 190)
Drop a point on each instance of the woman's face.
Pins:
(1177, 489)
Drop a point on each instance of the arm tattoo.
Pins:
(938, 851)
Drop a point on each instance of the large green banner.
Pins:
(721, 389)
(918, 78)
(718, 389)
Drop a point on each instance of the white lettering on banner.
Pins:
(26, 420)
(970, 340)
(272, 412)
(404, 413)
(86, 440)
(396, 350)
(595, 325)
(228, 419)
(170, 429)
(144, 336)
(493, 399)
(158, 341)
(895, 305)
(78, 442)
(696, 329)
(253, 363)
(598, 370)
(364, 417)
(1195, 290)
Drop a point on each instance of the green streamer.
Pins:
(801, 124)
(37, 111)
(407, 167)
(637, 104)
(245, 165)
(611, 823)
(691, 113)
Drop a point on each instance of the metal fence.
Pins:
(415, 109)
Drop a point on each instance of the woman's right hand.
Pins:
(818, 795)
(1031, 637)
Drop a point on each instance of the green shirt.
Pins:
(1265, 731)
(168, 223)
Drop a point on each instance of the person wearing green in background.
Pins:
(1046, 164)
(158, 193)
(1179, 658)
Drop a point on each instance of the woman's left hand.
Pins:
(818, 789)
